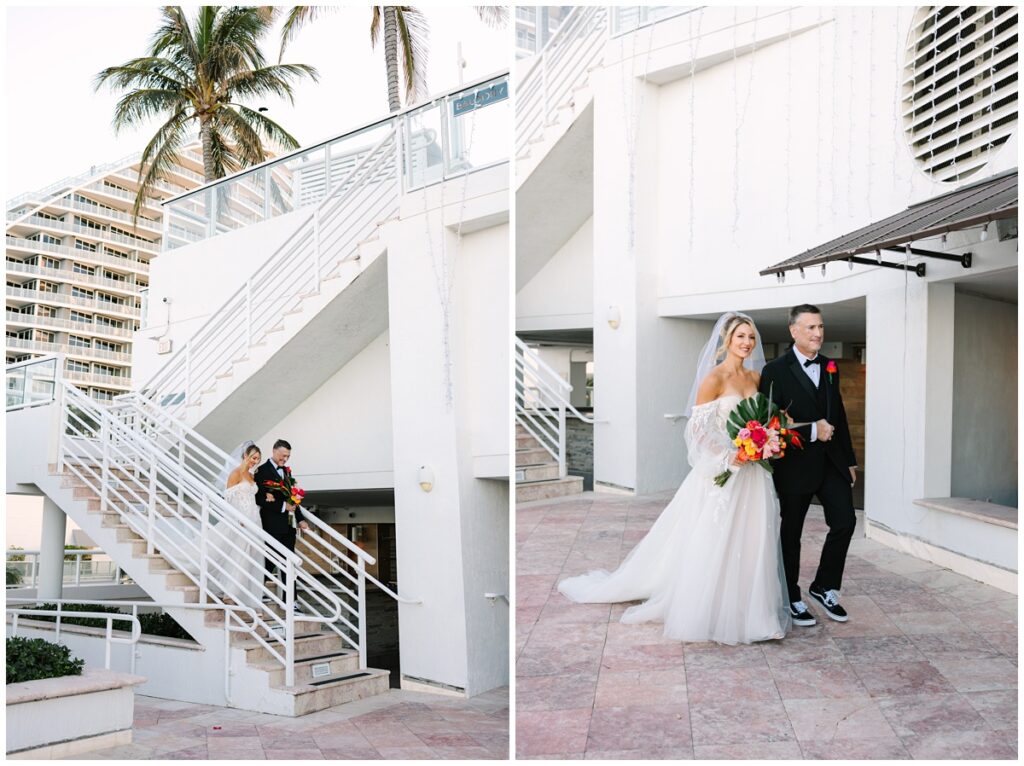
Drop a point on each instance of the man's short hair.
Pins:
(803, 308)
(282, 443)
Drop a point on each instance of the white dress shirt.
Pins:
(813, 372)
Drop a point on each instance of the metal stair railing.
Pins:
(328, 236)
(199, 533)
(204, 462)
(561, 66)
(542, 401)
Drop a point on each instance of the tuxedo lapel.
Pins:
(801, 377)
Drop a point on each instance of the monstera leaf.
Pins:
(757, 407)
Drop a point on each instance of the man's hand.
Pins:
(270, 497)
(304, 526)
(853, 476)
(289, 507)
(825, 430)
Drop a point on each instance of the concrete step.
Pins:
(339, 663)
(526, 441)
(306, 645)
(532, 456)
(542, 472)
(544, 490)
(323, 693)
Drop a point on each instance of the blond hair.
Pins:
(729, 329)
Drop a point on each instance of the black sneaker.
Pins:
(798, 611)
(830, 600)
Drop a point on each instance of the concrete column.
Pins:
(452, 542)
(51, 547)
(909, 400)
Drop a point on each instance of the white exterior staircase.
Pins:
(133, 480)
(542, 402)
(306, 311)
(555, 88)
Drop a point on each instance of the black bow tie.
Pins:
(809, 362)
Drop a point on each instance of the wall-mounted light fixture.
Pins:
(426, 478)
(614, 317)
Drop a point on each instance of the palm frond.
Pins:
(263, 124)
(160, 155)
(274, 80)
(495, 16)
(144, 104)
(295, 19)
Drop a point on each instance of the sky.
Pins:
(57, 126)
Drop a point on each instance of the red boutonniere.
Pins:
(831, 369)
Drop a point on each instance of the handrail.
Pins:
(231, 609)
(110, 618)
(202, 460)
(32, 555)
(362, 128)
(153, 466)
(266, 275)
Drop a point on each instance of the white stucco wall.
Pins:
(198, 279)
(341, 435)
(787, 136)
(984, 463)
(449, 540)
(561, 294)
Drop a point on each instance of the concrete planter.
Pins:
(59, 717)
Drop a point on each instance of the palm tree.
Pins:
(197, 72)
(405, 34)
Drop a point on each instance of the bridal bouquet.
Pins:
(291, 492)
(756, 428)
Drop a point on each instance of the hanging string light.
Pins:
(740, 115)
(631, 110)
(787, 108)
(871, 110)
(694, 44)
(819, 197)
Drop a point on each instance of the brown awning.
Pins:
(973, 205)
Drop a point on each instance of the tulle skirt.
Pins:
(711, 566)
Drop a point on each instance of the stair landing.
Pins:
(537, 472)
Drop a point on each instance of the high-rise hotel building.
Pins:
(77, 264)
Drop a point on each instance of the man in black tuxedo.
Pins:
(273, 508)
(806, 385)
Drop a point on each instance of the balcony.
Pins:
(96, 379)
(41, 296)
(101, 188)
(116, 215)
(68, 275)
(37, 221)
(79, 328)
(33, 246)
(44, 347)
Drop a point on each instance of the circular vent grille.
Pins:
(960, 86)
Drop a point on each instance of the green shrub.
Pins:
(71, 557)
(18, 556)
(13, 576)
(152, 623)
(30, 659)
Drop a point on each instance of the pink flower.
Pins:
(744, 434)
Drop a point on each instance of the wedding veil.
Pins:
(234, 458)
(708, 356)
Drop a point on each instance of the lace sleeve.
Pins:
(707, 443)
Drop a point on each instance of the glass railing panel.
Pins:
(423, 151)
(31, 383)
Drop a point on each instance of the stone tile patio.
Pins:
(926, 667)
(399, 725)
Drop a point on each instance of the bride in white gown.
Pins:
(711, 566)
(240, 565)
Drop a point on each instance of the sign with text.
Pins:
(480, 98)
